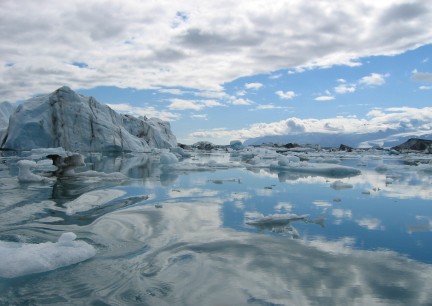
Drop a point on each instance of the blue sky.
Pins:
(223, 71)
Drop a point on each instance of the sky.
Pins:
(225, 70)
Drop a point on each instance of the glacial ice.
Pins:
(18, 259)
(78, 123)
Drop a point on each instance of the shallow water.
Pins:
(182, 237)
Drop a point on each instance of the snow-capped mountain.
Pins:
(79, 123)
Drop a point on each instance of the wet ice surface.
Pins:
(222, 229)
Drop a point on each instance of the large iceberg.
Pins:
(79, 123)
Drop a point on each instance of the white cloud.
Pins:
(147, 111)
(344, 88)
(374, 79)
(172, 91)
(255, 86)
(199, 116)
(287, 95)
(268, 107)
(147, 44)
(341, 80)
(425, 87)
(324, 98)
(240, 101)
(241, 93)
(184, 104)
(398, 119)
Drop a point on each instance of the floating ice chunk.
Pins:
(338, 185)
(287, 160)
(367, 192)
(275, 220)
(236, 145)
(25, 175)
(179, 151)
(92, 199)
(18, 259)
(168, 158)
(321, 169)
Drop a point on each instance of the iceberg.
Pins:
(18, 259)
(79, 123)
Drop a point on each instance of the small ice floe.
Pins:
(275, 219)
(320, 169)
(367, 192)
(278, 223)
(167, 158)
(158, 206)
(18, 259)
(338, 185)
(337, 200)
(180, 152)
(25, 175)
(92, 200)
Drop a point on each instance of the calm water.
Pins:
(182, 238)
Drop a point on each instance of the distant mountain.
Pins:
(386, 138)
(79, 123)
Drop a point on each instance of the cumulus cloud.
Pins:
(324, 98)
(184, 104)
(287, 95)
(147, 111)
(395, 118)
(344, 88)
(255, 86)
(189, 44)
(374, 79)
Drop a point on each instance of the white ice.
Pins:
(25, 175)
(275, 219)
(18, 259)
(92, 200)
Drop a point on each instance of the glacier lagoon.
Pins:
(219, 228)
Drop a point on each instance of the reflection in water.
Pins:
(185, 238)
(179, 255)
